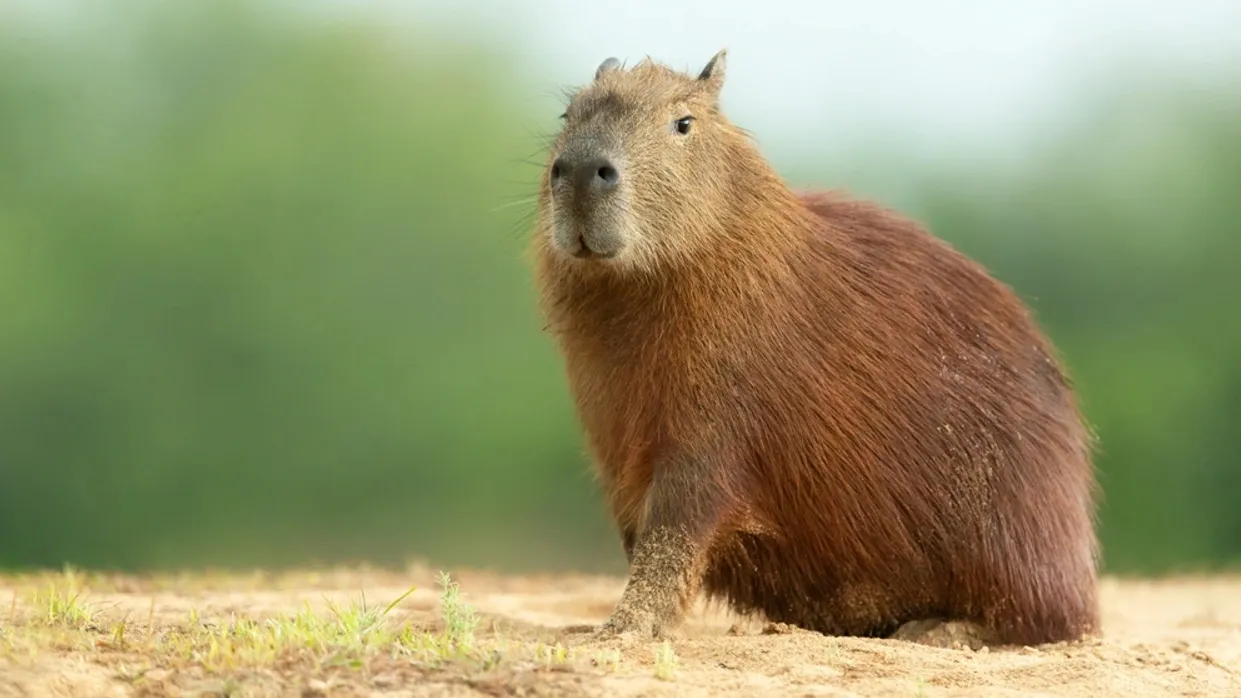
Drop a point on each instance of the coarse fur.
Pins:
(801, 404)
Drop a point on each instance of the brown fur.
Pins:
(805, 405)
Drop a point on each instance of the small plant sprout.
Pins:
(665, 661)
(549, 655)
(460, 619)
(608, 659)
(492, 660)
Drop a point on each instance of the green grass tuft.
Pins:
(63, 608)
(665, 661)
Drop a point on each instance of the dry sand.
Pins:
(1175, 637)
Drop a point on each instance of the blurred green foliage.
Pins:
(265, 300)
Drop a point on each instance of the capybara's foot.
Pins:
(944, 633)
(627, 623)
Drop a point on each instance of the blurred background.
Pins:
(264, 299)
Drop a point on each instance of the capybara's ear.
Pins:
(611, 63)
(713, 73)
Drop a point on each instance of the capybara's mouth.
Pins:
(587, 253)
(586, 242)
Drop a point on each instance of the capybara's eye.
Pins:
(682, 124)
(564, 116)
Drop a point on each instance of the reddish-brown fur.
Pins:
(807, 406)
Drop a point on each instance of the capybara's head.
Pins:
(643, 168)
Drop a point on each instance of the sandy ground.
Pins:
(1175, 637)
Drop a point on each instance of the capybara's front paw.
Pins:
(629, 624)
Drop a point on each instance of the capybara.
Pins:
(801, 404)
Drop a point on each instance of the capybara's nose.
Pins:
(589, 175)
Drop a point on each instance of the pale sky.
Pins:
(944, 75)
(947, 78)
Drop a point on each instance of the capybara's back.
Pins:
(802, 404)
